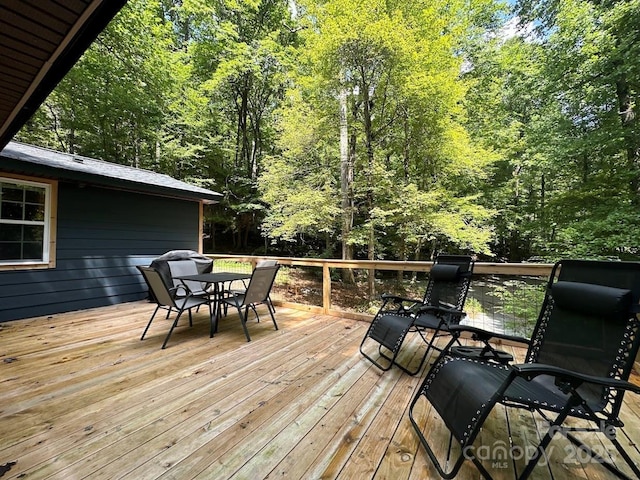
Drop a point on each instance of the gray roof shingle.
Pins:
(76, 167)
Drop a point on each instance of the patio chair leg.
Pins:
(272, 317)
(426, 352)
(454, 464)
(606, 464)
(431, 345)
(149, 324)
(270, 304)
(392, 360)
(253, 307)
(243, 320)
(175, 322)
(214, 320)
(376, 362)
(626, 457)
(246, 312)
(553, 427)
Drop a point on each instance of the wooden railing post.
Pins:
(326, 288)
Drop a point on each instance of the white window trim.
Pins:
(48, 252)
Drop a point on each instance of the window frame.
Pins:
(49, 241)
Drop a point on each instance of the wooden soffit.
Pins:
(40, 40)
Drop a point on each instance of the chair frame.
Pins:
(184, 287)
(187, 287)
(568, 382)
(252, 297)
(260, 264)
(406, 314)
(165, 298)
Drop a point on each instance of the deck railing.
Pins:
(503, 296)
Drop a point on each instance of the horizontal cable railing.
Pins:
(504, 297)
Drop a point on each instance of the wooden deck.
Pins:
(82, 397)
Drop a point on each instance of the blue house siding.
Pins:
(102, 234)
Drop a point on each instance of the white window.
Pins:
(25, 230)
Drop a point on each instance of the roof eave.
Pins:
(85, 30)
(17, 166)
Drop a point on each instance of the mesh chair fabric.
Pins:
(389, 330)
(260, 284)
(463, 387)
(179, 268)
(204, 264)
(157, 286)
(596, 341)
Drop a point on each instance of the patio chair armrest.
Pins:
(450, 316)
(388, 297)
(575, 379)
(232, 294)
(481, 335)
(399, 302)
(187, 292)
(175, 290)
(446, 309)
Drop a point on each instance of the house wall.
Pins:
(102, 235)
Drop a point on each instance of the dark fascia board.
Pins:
(87, 27)
(19, 158)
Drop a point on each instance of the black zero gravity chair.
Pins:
(577, 365)
(441, 307)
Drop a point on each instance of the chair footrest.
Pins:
(482, 354)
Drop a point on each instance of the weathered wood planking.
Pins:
(83, 397)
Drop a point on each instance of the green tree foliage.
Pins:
(299, 183)
(112, 104)
(416, 173)
(239, 56)
(563, 108)
(382, 129)
(598, 159)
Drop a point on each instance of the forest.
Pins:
(378, 129)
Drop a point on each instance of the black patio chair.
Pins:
(257, 293)
(441, 307)
(577, 366)
(181, 268)
(165, 298)
(203, 263)
(261, 263)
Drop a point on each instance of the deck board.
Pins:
(83, 397)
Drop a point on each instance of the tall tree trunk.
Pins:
(543, 217)
(243, 148)
(370, 202)
(628, 120)
(241, 109)
(346, 181)
(402, 248)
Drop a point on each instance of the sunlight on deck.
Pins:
(83, 397)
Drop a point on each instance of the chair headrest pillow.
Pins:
(445, 272)
(592, 300)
